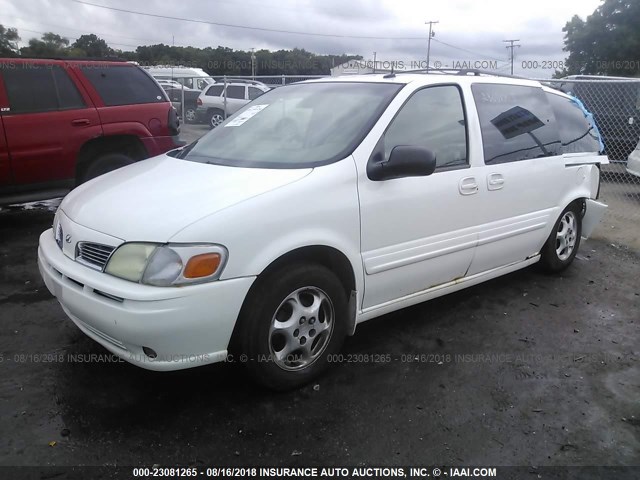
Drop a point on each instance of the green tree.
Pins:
(8, 41)
(606, 43)
(51, 45)
(92, 46)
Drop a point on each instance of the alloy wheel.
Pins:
(301, 328)
(566, 235)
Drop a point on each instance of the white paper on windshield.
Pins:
(246, 115)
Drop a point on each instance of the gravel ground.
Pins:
(527, 369)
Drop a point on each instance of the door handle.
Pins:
(468, 186)
(80, 122)
(495, 181)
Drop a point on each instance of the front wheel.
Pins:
(106, 163)
(562, 245)
(293, 320)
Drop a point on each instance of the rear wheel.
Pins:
(216, 117)
(562, 245)
(106, 163)
(293, 320)
(190, 114)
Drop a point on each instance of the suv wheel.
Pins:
(216, 117)
(190, 114)
(106, 163)
(293, 321)
(562, 245)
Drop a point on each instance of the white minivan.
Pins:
(318, 206)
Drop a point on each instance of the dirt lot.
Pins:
(524, 370)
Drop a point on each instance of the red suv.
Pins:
(63, 122)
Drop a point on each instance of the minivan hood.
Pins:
(153, 199)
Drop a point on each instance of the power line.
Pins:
(468, 51)
(102, 34)
(28, 20)
(245, 27)
(68, 37)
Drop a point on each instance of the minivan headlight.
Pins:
(165, 265)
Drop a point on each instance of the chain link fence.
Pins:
(615, 105)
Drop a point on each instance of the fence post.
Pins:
(225, 97)
(184, 120)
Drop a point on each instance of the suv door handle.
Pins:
(468, 186)
(80, 122)
(495, 181)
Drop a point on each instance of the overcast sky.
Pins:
(476, 29)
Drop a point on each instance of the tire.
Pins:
(190, 114)
(106, 163)
(562, 245)
(216, 117)
(290, 324)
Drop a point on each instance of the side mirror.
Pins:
(404, 161)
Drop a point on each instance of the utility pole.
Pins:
(511, 46)
(253, 63)
(431, 34)
(374, 62)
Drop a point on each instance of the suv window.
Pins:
(576, 133)
(517, 123)
(432, 118)
(40, 88)
(123, 85)
(235, 91)
(215, 91)
(254, 93)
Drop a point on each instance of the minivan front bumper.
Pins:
(186, 327)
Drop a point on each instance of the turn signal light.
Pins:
(202, 265)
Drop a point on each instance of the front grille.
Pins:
(93, 255)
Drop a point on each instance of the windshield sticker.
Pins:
(246, 115)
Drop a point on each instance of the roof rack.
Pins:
(461, 71)
(243, 80)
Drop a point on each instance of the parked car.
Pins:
(633, 162)
(319, 206)
(211, 102)
(63, 122)
(169, 84)
(190, 77)
(176, 95)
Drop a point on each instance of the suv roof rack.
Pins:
(243, 80)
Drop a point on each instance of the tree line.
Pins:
(215, 61)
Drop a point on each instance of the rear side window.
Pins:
(235, 91)
(40, 88)
(576, 133)
(215, 91)
(517, 123)
(123, 85)
(254, 93)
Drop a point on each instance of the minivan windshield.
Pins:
(296, 126)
